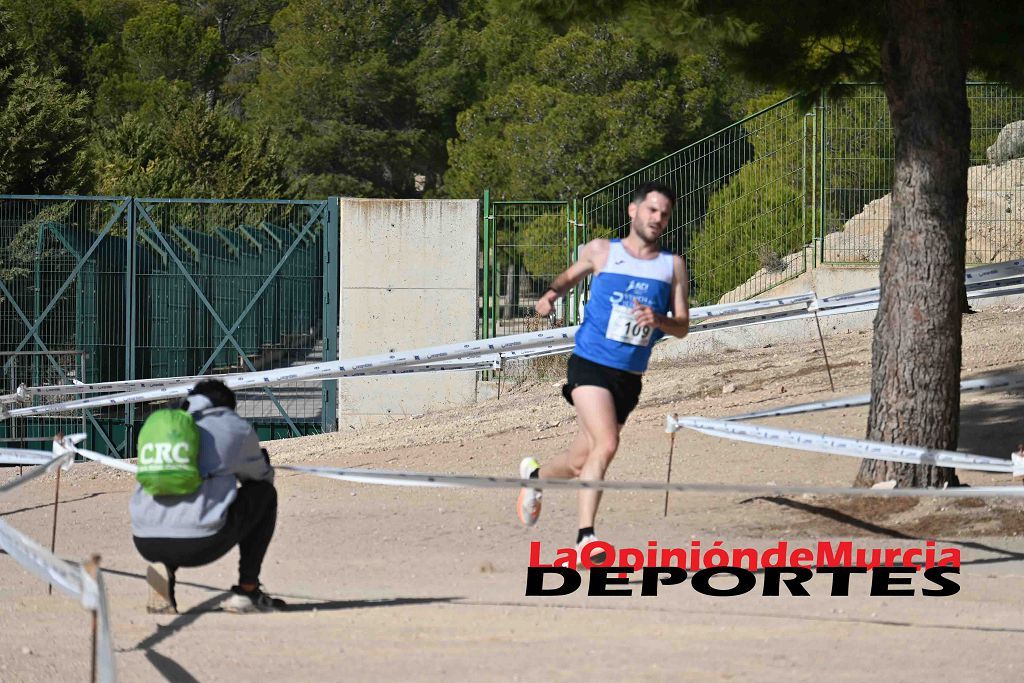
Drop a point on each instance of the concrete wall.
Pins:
(408, 280)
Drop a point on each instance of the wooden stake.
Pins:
(53, 534)
(57, 438)
(500, 371)
(824, 352)
(668, 478)
(92, 568)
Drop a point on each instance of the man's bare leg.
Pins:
(595, 412)
(567, 464)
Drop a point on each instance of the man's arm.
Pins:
(677, 325)
(592, 256)
(250, 462)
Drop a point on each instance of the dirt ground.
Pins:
(389, 583)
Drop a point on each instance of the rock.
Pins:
(729, 388)
(26, 650)
(1009, 144)
(891, 484)
(782, 389)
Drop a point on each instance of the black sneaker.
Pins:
(244, 602)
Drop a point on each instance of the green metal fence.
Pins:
(102, 289)
(761, 200)
(856, 164)
(741, 220)
(527, 243)
(740, 211)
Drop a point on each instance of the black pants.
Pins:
(250, 526)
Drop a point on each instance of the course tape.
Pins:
(401, 478)
(24, 456)
(975, 286)
(1004, 291)
(384, 363)
(50, 568)
(106, 669)
(58, 461)
(454, 356)
(779, 316)
(484, 362)
(972, 277)
(717, 310)
(855, 302)
(487, 352)
(835, 445)
(440, 358)
(25, 393)
(992, 270)
(74, 581)
(980, 384)
(115, 463)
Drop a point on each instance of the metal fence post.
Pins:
(130, 323)
(485, 313)
(822, 180)
(331, 311)
(495, 289)
(572, 256)
(803, 192)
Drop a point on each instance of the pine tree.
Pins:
(43, 127)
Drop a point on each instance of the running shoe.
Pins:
(528, 506)
(245, 602)
(597, 555)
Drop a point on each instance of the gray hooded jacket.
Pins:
(229, 452)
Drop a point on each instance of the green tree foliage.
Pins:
(575, 110)
(178, 147)
(547, 239)
(43, 126)
(159, 49)
(50, 34)
(243, 29)
(347, 84)
(756, 218)
(101, 43)
(163, 42)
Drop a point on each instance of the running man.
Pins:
(636, 283)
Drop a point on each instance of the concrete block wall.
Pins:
(408, 280)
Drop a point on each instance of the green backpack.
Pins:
(168, 454)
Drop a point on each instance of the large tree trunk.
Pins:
(915, 364)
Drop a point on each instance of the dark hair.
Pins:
(641, 192)
(216, 391)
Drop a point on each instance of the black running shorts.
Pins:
(624, 386)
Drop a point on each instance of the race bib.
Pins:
(622, 327)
